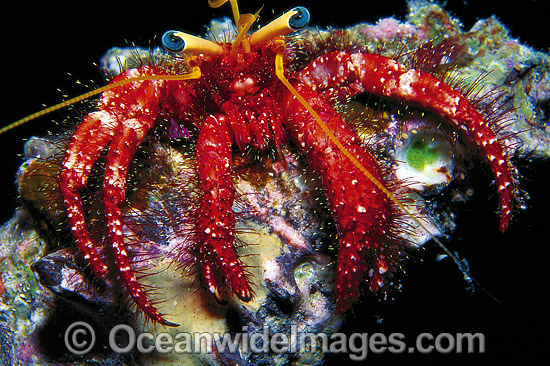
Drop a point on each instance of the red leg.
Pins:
(122, 149)
(384, 76)
(364, 215)
(127, 113)
(215, 220)
(91, 136)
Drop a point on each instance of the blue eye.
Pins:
(172, 42)
(300, 19)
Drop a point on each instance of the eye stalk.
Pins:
(295, 19)
(182, 43)
(172, 42)
(179, 43)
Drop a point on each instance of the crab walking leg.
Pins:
(364, 215)
(91, 136)
(215, 219)
(384, 76)
(122, 149)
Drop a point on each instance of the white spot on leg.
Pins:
(406, 80)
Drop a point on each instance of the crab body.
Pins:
(239, 101)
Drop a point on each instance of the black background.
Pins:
(41, 42)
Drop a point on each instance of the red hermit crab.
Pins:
(239, 95)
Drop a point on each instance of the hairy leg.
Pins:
(341, 75)
(90, 138)
(215, 219)
(364, 215)
(121, 151)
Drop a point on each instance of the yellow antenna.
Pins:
(234, 8)
(243, 22)
(293, 20)
(194, 74)
(248, 20)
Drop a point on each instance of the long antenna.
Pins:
(194, 74)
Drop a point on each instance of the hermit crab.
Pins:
(241, 95)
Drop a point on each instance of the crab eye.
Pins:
(300, 19)
(172, 42)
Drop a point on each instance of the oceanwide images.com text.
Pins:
(80, 339)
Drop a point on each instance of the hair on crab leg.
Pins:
(121, 152)
(463, 267)
(210, 55)
(215, 220)
(95, 132)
